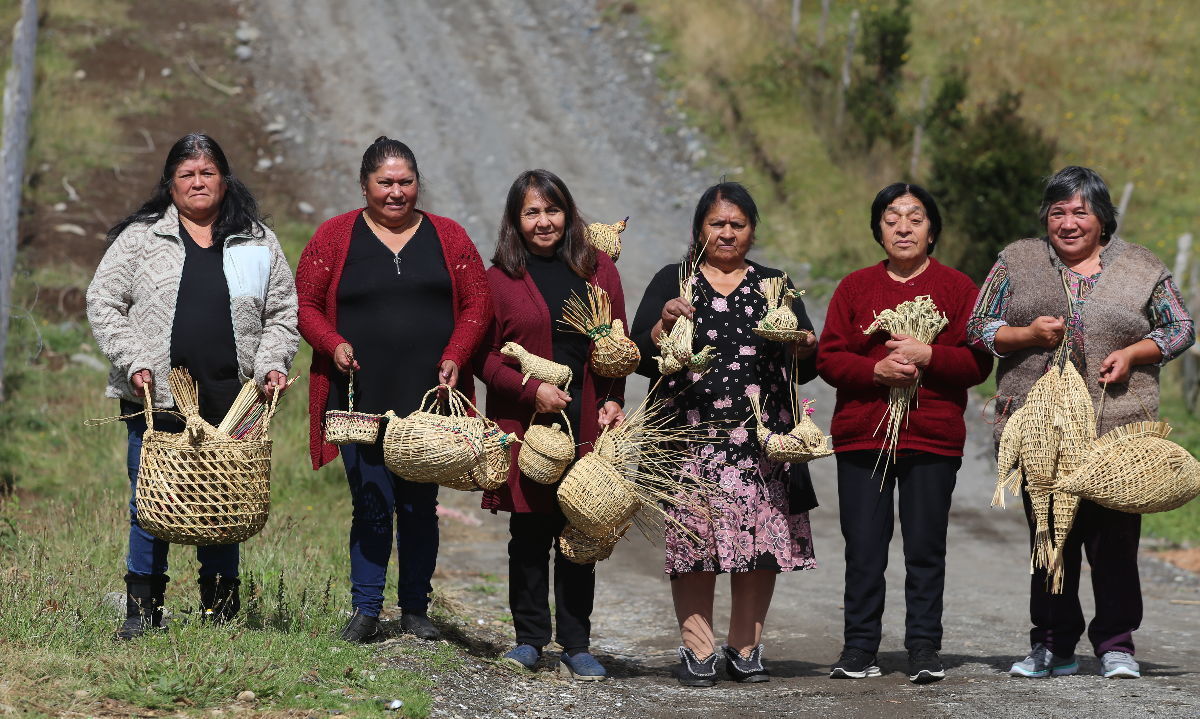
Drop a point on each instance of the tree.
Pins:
(884, 49)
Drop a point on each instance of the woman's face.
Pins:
(197, 188)
(728, 234)
(905, 230)
(1073, 229)
(542, 223)
(391, 193)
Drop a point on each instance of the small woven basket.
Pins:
(1135, 468)
(200, 486)
(595, 498)
(350, 426)
(607, 238)
(582, 549)
(546, 452)
(429, 447)
(491, 470)
(615, 355)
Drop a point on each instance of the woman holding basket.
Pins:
(542, 258)
(393, 300)
(192, 279)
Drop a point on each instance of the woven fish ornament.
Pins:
(607, 238)
(1135, 468)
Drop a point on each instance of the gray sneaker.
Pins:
(1041, 662)
(1119, 665)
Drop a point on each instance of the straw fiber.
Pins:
(582, 549)
(1135, 468)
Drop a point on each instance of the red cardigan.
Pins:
(846, 360)
(522, 317)
(317, 278)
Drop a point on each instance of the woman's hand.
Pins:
(140, 380)
(1046, 331)
(448, 374)
(1116, 366)
(550, 399)
(611, 415)
(343, 358)
(889, 372)
(805, 347)
(274, 379)
(908, 350)
(673, 310)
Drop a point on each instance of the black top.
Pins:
(396, 311)
(557, 282)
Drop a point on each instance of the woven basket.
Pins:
(430, 447)
(607, 238)
(546, 452)
(491, 470)
(201, 487)
(803, 443)
(350, 426)
(615, 355)
(1136, 469)
(582, 549)
(595, 498)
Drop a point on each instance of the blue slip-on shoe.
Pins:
(523, 657)
(582, 667)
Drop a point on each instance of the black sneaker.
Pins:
(749, 669)
(925, 666)
(854, 664)
(695, 673)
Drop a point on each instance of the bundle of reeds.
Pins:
(607, 238)
(779, 323)
(613, 354)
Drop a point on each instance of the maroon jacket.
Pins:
(522, 317)
(317, 278)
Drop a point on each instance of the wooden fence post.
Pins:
(844, 85)
(18, 104)
(1123, 205)
(919, 130)
(795, 22)
(824, 23)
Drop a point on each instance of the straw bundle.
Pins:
(201, 486)
(804, 443)
(546, 452)
(427, 446)
(350, 426)
(539, 368)
(918, 318)
(613, 354)
(607, 238)
(582, 549)
(491, 469)
(1135, 468)
(246, 416)
(779, 323)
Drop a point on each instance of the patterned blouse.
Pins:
(1172, 327)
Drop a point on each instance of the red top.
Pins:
(317, 277)
(846, 360)
(523, 317)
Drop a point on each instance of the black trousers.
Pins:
(925, 483)
(532, 537)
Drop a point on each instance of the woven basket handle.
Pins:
(350, 392)
(148, 404)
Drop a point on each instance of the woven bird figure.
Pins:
(537, 367)
(614, 355)
(780, 322)
(675, 347)
(803, 443)
(607, 238)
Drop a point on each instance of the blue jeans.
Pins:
(377, 495)
(147, 553)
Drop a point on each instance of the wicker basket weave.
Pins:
(582, 549)
(546, 452)
(537, 367)
(350, 426)
(1135, 468)
(491, 470)
(595, 498)
(430, 447)
(803, 443)
(201, 487)
(615, 355)
(607, 238)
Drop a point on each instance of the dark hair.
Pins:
(574, 249)
(380, 150)
(732, 192)
(238, 211)
(1087, 183)
(899, 189)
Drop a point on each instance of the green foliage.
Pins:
(987, 176)
(945, 117)
(871, 100)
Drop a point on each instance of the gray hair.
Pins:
(1087, 183)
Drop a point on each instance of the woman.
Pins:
(394, 297)
(757, 525)
(1124, 319)
(928, 451)
(543, 257)
(192, 279)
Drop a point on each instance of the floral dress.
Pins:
(750, 524)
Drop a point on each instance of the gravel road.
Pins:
(482, 89)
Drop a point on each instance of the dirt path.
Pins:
(483, 89)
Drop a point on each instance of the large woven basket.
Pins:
(595, 498)
(427, 446)
(546, 452)
(350, 426)
(582, 549)
(491, 470)
(200, 486)
(1135, 468)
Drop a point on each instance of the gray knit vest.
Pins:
(1114, 316)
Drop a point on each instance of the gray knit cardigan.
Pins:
(131, 304)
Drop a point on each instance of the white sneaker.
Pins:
(1119, 665)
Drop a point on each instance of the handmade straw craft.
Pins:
(804, 443)
(491, 468)
(537, 367)
(779, 323)
(428, 446)
(675, 347)
(345, 427)
(613, 354)
(607, 238)
(546, 451)
(582, 549)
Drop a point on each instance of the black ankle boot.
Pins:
(220, 599)
(143, 605)
(416, 623)
(361, 629)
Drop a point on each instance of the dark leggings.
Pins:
(533, 536)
